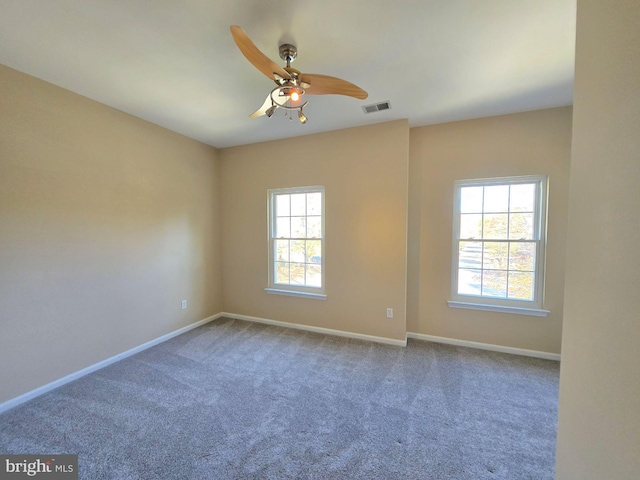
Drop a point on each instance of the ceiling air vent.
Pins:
(376, 107)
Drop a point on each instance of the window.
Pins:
(498, 243)
(296, 241)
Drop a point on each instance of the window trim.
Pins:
(527, 307)
(317, 293)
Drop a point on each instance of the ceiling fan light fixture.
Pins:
(282, 97)
(270, 111)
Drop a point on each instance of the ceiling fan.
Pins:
(291, 84)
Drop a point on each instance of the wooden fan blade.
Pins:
(255, 56)
(263, 109)
(326, 85)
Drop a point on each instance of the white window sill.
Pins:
(293, 293)
(534, 312)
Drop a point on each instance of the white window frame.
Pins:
(525, 307)
(317, 293)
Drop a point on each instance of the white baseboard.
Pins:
(325, 331)
(25, 397)
(485, 346)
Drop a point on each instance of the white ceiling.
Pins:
(174, 62)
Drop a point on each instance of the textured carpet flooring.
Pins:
(236, 400)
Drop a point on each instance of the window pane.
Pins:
(283, 229)
(298, 204)
(522, 197)
(282, 250)
(297, 250)
(282, 205)
(314, 204)
(522, 256)
(298, 227)
(495, 226)
(470, 255)
(494, 283)
(314, 276)
(469, 281)
(314, 227)
(471, 199)
(521, 226)
(495, 255)
(314, 251)
(282, 272)
(297, 274)
(471, 225)
(496, 198)
(521, 285)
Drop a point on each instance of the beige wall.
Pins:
(599, 416)
(364, 171)
(536, 142)
(106, 223)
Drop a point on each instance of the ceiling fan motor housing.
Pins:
(288, 52)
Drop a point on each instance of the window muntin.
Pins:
(296, 239)
(499, 240)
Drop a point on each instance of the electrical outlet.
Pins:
(389, 312)
(184, 304)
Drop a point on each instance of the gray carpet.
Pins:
(237, 400)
